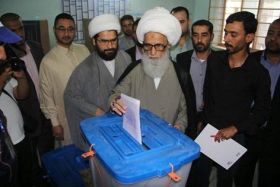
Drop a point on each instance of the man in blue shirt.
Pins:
(126, 40)
(194, 62)
(185, 42)
(265, 146)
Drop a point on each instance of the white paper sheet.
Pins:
(131, 118)
(225, 153)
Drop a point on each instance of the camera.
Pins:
(14, 62)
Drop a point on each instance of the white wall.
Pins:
(48, 9)
(34, 10)
(138, 7)
(201, 9)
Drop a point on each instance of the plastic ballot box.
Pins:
(65, 166)
(163, 159)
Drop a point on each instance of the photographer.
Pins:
(13, 85)
(36, 126)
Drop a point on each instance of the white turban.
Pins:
(159, 20)
(103, 22)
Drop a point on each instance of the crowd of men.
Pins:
(159, 60)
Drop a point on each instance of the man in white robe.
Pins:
(55, 70)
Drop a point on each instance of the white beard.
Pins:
(155, 68)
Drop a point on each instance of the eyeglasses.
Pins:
(106, 42)
(158, 47)
(63, 29)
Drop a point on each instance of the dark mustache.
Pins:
(66, 38)
(200, 44)
(109, 50)
(228, 45)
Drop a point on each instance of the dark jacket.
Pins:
(30, 107)
(273, 123)
(229, 94)
(183, 71)
(132, 52)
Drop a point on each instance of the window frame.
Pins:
(257, 43)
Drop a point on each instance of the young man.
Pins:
(154, 81)
(91, 83)
(194, 63)
(185, 42)
(55, 70)
(126, 40)
(236, 94)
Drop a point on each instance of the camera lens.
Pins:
(16, 64)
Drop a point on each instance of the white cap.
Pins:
(104, 22)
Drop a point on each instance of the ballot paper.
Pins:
(225, 152)
(131, 118)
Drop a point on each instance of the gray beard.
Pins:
(155, 68)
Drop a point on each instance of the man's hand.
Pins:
(58, 132)
(179, 126)
(19, 74)
(225, 133)
(118, 106)
(22, 89)
(5, 75)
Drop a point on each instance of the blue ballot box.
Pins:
(64, 166)
(121, 161)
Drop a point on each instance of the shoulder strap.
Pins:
(7, 93)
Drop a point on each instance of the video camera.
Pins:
(12, 61)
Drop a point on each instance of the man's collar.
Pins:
(194, 55)
(64, 49)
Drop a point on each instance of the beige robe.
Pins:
(55, 70)
(167, 101)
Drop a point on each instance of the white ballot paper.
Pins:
(131, 118)
(225, 153)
